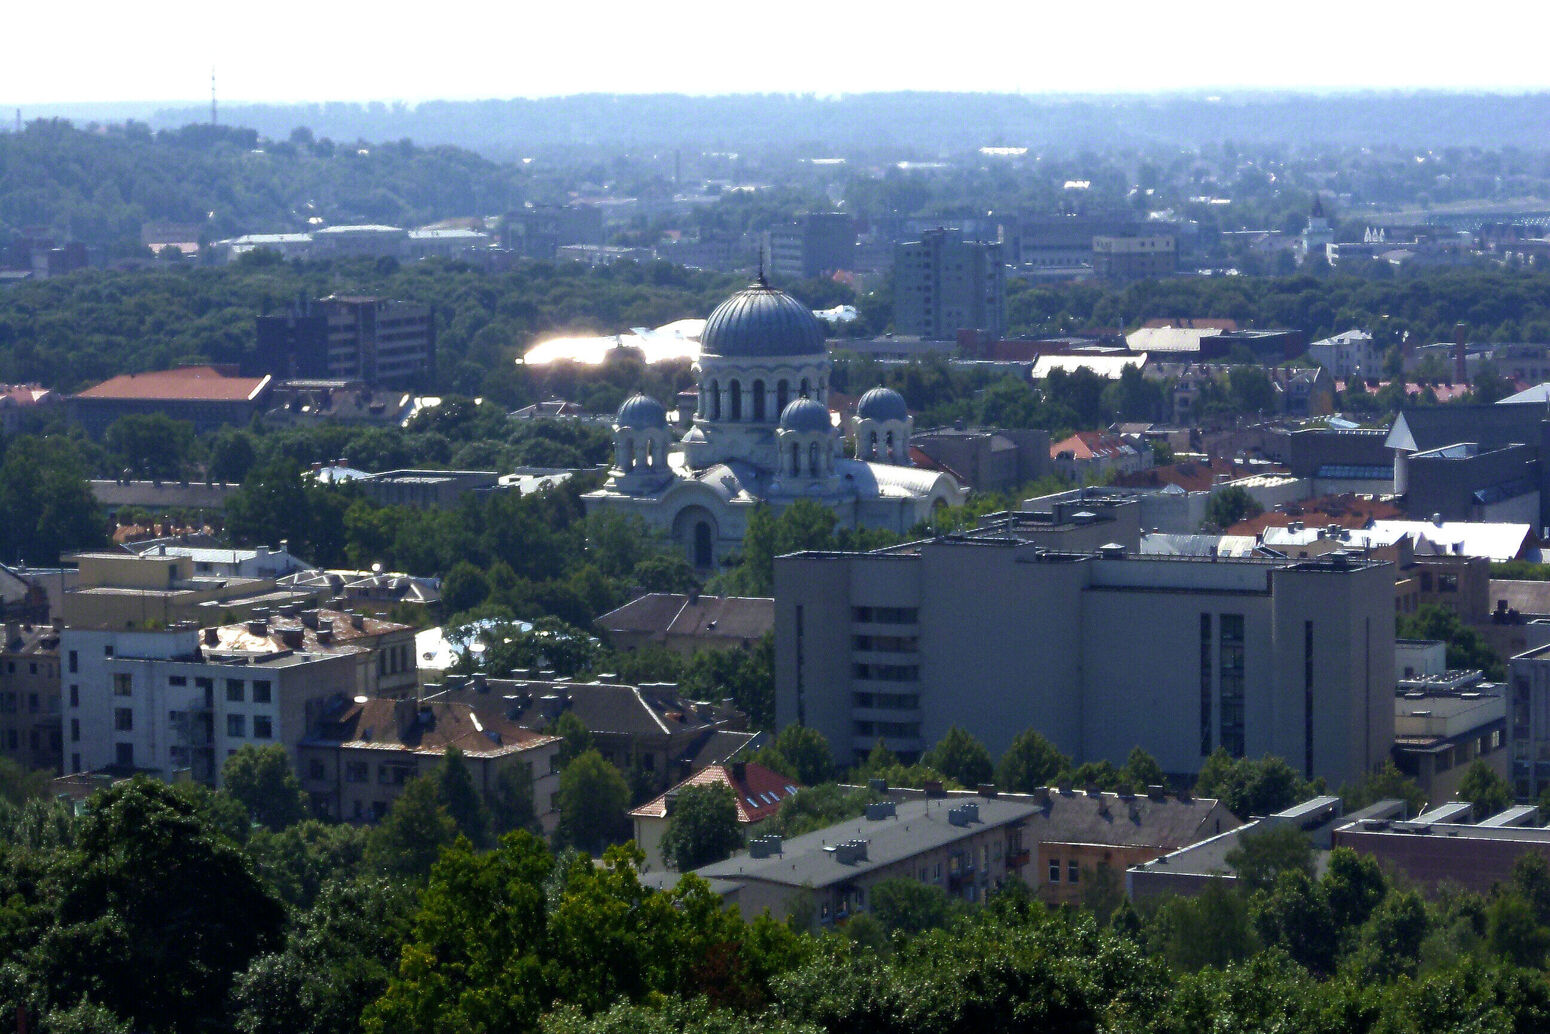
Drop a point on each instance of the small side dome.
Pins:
(882, 404)
(805, 414)
(641, 412)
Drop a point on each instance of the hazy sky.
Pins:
(286, 50)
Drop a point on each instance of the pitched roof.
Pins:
(1529, 598)
(759, 791)
(1093, 445)
(1165, 822)
(186, 383)
(664, 613)
(1432, 427)
(433, 727)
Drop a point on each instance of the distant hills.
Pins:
(923, 123)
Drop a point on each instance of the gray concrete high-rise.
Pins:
(1100, 651)
(943, 284)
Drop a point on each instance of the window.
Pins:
(32, 703)
(356, 772)
(236, 725)
(123, 719)
(124, 754)
(1073, 871)
(236, 692)
(263, 727)
(75, 762)
(123, 684)
(177, 680)
(1230, 686)
(107, 651)
(1205, 685)
(1054, 870)
(75, 731)
(316, 770)
(262, 694)
(75, 662)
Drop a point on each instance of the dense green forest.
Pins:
(74, 330)
(245, 916)
(100, 186)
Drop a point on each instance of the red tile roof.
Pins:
(760, 792)
(196, 383)
(1348, 511)
(1089, 445)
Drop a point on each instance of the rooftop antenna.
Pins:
(213, 121)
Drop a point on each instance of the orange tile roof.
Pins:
(198, 383)
(1348, 511)
(1087, 445)
(759, 793)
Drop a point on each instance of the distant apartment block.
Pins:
(345, 338)
(538, 231)
(816, 244)
(1100, 651)
(122, 590)
(206, 396)
(943, 284)
(1138, 257)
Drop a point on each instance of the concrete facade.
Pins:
(943, 284)
(993, 634)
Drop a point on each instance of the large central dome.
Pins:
(760, 321)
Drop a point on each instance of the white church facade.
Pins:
(762, 433)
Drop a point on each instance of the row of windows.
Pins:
(237, 726)
(886, 643)
(393, 660)
(9, 703)
(1073, 871)
(885, 672)
(885, 615)
(887, 701)
(360, 772)
(905, 730)
(32, 668)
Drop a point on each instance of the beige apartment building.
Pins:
(359, 755)
(122, 590)
(29, 696)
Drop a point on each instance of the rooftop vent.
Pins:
(879, 810)
(964, 814)
(764, 846)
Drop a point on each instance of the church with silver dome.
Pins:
(762, 433)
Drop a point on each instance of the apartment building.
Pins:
(348, 338)
(966, 847)
(360, 752)
(382, 652)
(815, 244)
(165, 703)
(1138, 257)
(1100, 651)
(943, 284)
(29, 696)
(651, 728)
(123, 590)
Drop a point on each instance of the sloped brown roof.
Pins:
(186, 383)
(1164, 822)
(759, 791)
(435, 726)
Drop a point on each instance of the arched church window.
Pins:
(758, 402)
(737, 400)
(782, 395)
(796, 459)
(715, 400)
(812, 459)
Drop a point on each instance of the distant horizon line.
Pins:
(1204, 93)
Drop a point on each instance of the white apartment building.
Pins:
(1347, 355)
(1100, 651)
(160, 702)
